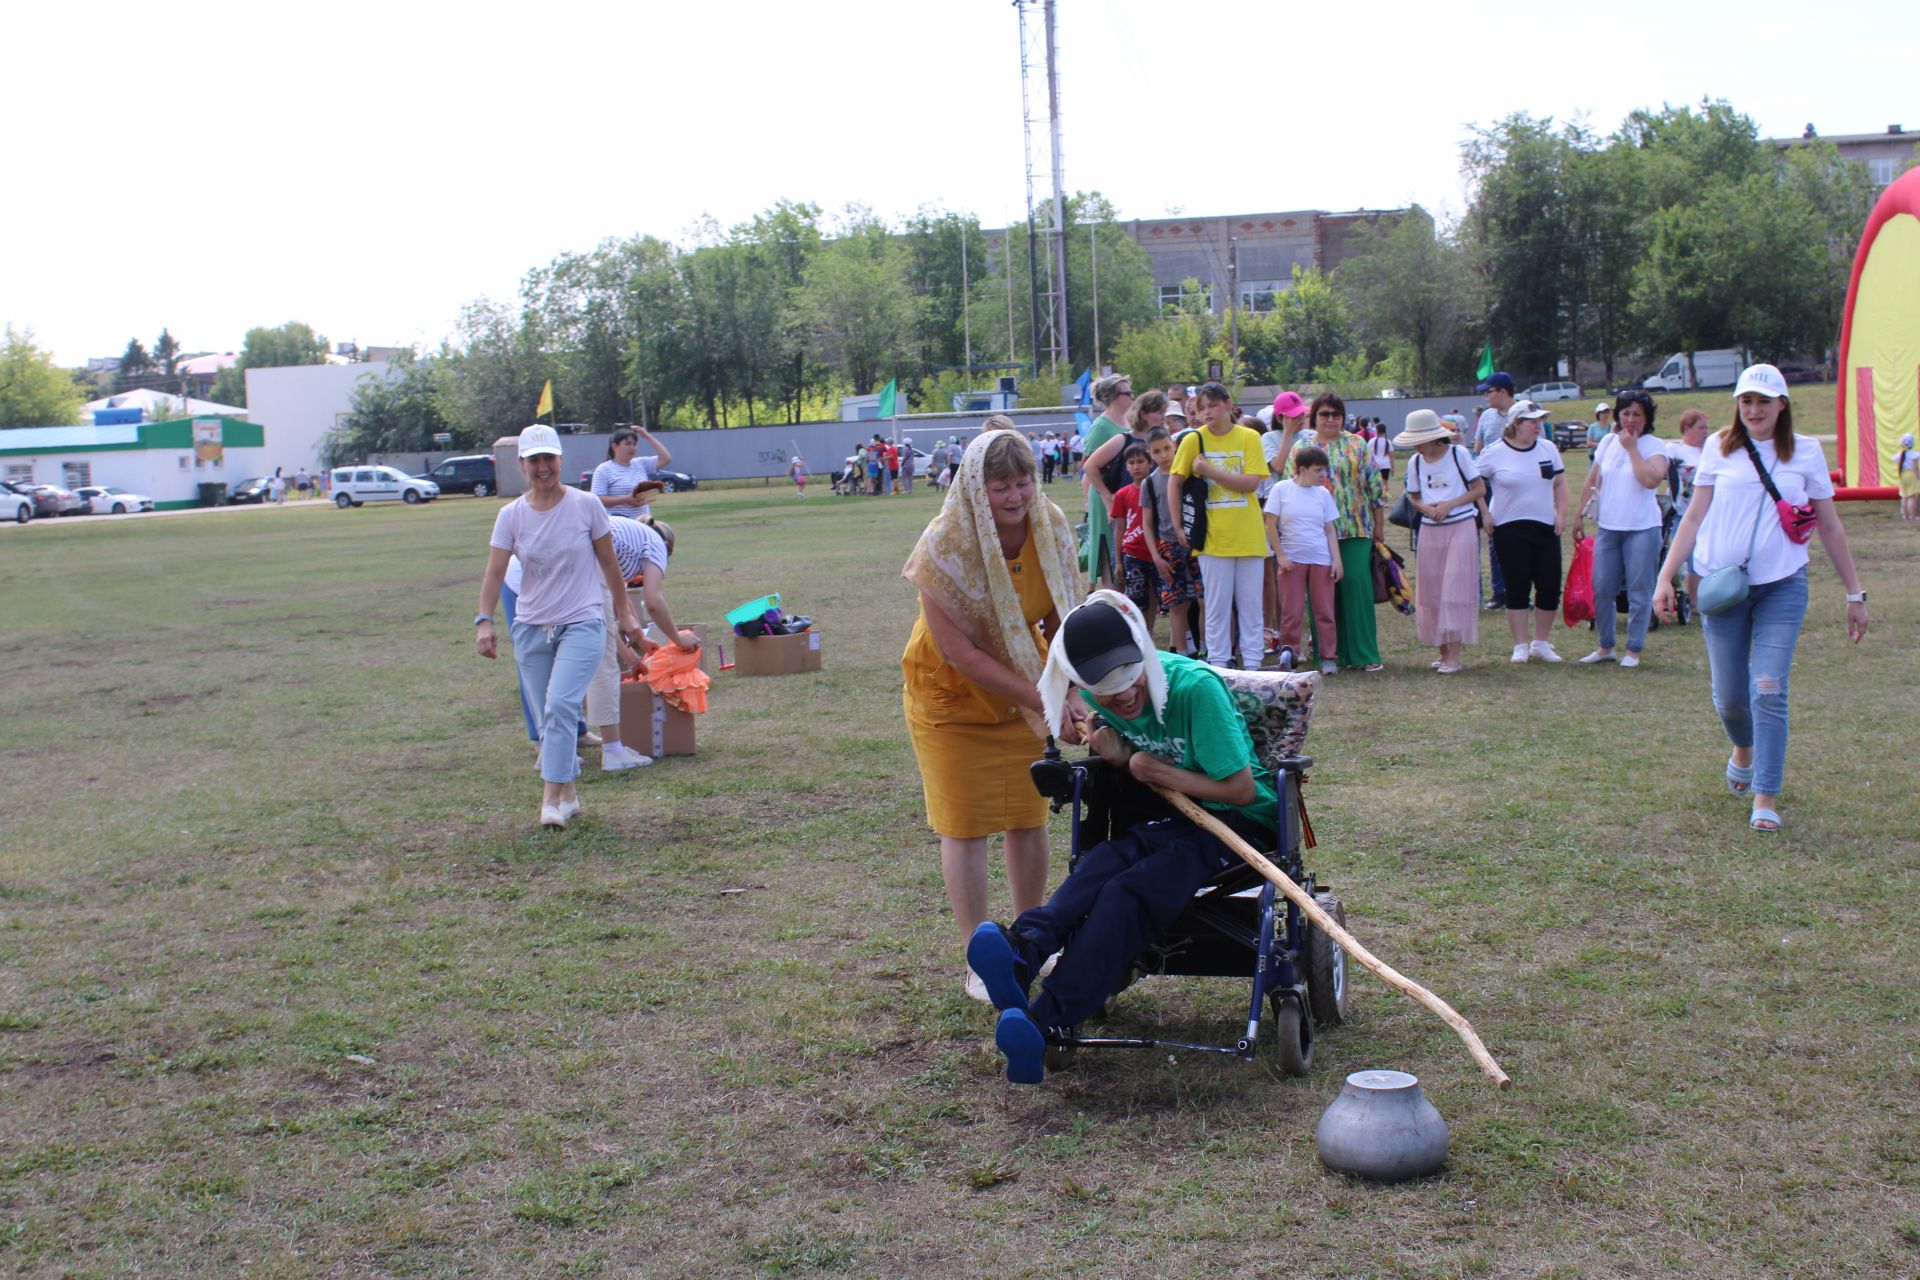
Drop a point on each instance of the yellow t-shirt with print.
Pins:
(1234, 526)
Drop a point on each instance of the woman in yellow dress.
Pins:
(996, 574)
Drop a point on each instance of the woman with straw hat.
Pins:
(1445, 486)
(996, 574)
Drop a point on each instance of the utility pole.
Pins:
(1233, 310)
(1093, 261)
(966, 319)
(1049, 302)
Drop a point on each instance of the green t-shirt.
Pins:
(1234, 526)
(1202, 732)
(1102, 430)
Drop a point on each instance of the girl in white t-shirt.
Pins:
(1627, 467)
(564, 543)
(1733, 521)
(1302, 531)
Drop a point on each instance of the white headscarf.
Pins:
(1059, 677)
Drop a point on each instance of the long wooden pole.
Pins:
(1316, 913)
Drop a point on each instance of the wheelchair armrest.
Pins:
(1296, 764)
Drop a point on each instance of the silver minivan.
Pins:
(353, 486)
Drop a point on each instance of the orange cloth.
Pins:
(674, 673)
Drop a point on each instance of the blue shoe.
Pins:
(1739, 778)
(1024, 1045)
(990, 956)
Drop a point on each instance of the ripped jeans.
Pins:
(1750, 649)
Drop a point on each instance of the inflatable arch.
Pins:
(1878, 399)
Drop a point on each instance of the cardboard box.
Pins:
(651, 725)
(777, 655)
(699, 630)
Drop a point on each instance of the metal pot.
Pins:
(1382, 1127)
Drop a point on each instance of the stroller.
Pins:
(1237, 925)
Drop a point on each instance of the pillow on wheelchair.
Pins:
(1276, 706)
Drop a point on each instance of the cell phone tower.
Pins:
(1046, 248)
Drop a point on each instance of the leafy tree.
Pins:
(34, 391)
(166, 353)
(861, 307)
(1128, 296)
(1519, 215)
(292, 343)
(1166, 351)
(399, 413)
(1410, 286)
(1314, 323)
(135, 360)
(1840, 195)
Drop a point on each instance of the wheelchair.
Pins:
(1237, 925)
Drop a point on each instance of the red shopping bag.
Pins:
(1577, 601)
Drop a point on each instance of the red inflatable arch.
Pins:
(1878, 397)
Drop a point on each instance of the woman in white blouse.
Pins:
(1444, 485)
(1733, 520)
(1529, 483)
(1627, 467)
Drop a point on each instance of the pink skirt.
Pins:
(1446, 584)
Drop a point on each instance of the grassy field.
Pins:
(292, 985)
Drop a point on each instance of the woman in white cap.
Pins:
(1444, 483)
(1908, 469)
(563, 539)
(996, 573)
(1761, 492)
(1529, 515)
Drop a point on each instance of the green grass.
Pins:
(291, 984)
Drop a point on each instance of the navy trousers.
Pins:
(1121, 896)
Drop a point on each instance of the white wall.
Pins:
(154, 472)
(299, 405)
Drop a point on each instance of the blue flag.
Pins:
(1085, 385)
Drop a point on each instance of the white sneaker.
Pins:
(1329, 668)
(1629, 659)
(1543, 650)
(568, 808)
(1598, 655)
(1519, 653)
(552, 817)
(976, 989)
(616, 756)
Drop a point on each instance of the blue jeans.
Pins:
(555, 665)
(509, 602)
(1750, 648)
(1635, 555)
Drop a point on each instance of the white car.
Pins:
(17, 507)
(106, 500)
(1393, 393)
(1541, 392)
(353, 486)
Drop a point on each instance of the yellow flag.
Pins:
(546, 400)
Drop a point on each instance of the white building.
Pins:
(300, 404)
(167, 461)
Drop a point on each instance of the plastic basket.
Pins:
(752, 609)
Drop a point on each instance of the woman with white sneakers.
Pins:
(1529, 483)
(1762, 491)
(1627, 467)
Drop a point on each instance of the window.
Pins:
(19, 473)
(1880, 170)
(75, 474)
(1170, 296)
(364, 477)
(1261, 295)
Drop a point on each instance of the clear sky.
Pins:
(369, 170)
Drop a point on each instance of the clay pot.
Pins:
(1382, 1127)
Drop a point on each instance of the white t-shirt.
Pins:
(1738, 497)
(612, 480)
(1687, 458)
(1270, 445)
(1625, 503)
(1304, 513)
(1522, 490)
(1445, 481)
(1382, 452)
(560, 578)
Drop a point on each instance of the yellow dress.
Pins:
(974, 748)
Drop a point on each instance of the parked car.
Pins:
(1542, 392)
(1796, 373)
(1393, 393)
(1717, 368)
(249, 491)
(678, 482)
(15, 505)
(355, 486)
(107, 500)
(52, 500)
(472, 474)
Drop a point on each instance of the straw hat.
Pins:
(1423, 427)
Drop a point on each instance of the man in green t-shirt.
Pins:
(1163, 718)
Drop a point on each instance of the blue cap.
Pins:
(1502, 381)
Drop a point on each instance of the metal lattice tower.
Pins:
(1046, 247)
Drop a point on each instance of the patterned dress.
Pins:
(1357, 491)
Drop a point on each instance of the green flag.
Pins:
(888, 394)
(1486, 362)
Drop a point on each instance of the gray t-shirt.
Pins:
(560, 578)
(1493, 424)
(1159, 484)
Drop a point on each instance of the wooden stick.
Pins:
(1316, 913)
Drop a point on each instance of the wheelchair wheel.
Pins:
(1326, 964)
(1295, 1038)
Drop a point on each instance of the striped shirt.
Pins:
(611, 480)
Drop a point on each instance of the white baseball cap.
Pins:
(539, 438)
(1763, 379)
(1525, 409)
(1603, 407)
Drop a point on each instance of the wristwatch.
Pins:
(1857, 597)
(479, 618)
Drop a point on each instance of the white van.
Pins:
(1719, 368)
(355, 485)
